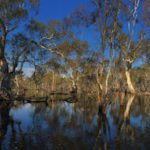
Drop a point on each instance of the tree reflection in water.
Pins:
(8, 129)
(103, 129)
(125, 131)
(4, 120)
(85, 125)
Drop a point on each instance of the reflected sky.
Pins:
(62, 125)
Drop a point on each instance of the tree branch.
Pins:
(54, 51)
(13, 28)
(2, 25)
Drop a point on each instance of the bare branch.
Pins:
(3, 26)
(54, 51)
(13, 28)
(47, 38)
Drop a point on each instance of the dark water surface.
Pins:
(124, 124)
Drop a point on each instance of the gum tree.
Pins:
(12, 15)
(65, 50)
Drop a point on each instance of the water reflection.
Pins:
(4, 120)
(103, 129)
(123, 124)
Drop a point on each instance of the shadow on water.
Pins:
(8, 128)
(4, 120)
(122, 124)
(103, 129)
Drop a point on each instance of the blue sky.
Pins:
(57, 9)
(54, 10)
(60, 9)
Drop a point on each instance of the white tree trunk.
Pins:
(129, 82)
(53, 81)
(17, 84)
(74, 85)
(100, 86)
(109, 68)
(106, 82)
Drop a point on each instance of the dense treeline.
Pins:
(63, 61)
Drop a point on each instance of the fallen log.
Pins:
(59, 93)
(32, 99)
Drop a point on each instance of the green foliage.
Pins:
(14, 11)
(56, 50)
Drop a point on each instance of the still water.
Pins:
(124, 124)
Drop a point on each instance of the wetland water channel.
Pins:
(124, 124)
